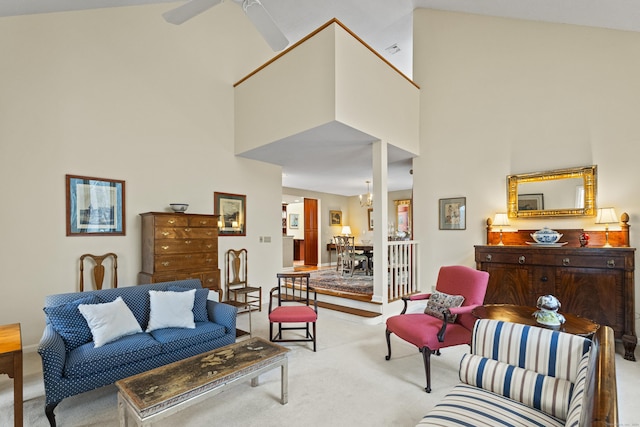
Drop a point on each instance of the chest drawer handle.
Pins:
(522, 259)
(203, 222)
(566, 261)
(611, 263)
(165, 233)
(187, 230)
(187, 242)
(165, 264)
(165, 247)
(171, 221)
(488, 257)
(208, 260)
(544, 279)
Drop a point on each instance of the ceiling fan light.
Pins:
(265, 24)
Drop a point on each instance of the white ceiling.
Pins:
(337, 159)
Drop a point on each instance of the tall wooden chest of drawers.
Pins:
(177, 246)
(596, 283)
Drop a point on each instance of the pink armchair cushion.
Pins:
(421, 331)
(293, 314)
(439, 302)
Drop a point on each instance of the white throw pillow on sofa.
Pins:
(171, 310)
(109, 321)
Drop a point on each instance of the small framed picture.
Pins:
(531, 202)
(95, 206)
(231, 209)
(453, 213)
(335, 217)
(293, 220)
(370, 218)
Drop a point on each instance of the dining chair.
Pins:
(295, 308)
(351, 258)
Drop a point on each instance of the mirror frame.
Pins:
(404, 202)
(588, 175)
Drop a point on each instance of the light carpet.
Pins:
(333, 280)
(347, 382)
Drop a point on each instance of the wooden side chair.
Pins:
(239, 292)
(99, 270)
(294, 306)
(447, 320)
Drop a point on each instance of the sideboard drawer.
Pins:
(613, 262)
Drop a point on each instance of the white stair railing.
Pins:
(403, 269)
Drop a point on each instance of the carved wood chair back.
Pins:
(99, 269)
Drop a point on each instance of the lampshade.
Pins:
(500, 219)
(346, 230)
(606, 216)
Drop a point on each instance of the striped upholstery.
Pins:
(548, 394)
(544, 351)
(470, 406)
(579, 395)
(517, 375)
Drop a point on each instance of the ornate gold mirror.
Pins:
(562, 192)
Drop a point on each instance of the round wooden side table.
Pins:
(524, 314)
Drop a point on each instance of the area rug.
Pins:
(332, 280)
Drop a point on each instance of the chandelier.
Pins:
(366, 200)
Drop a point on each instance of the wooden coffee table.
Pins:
(167, 389)
(524, 314)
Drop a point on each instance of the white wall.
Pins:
(118, 93)
(503, 96)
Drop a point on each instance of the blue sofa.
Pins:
(73, 365)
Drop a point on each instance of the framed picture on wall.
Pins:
(95, 206)
(335, 217)
(293, 220)
(370, 218)
(531, 202)
(232, 211)
(453, 213)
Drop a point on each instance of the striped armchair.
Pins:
(521, 375)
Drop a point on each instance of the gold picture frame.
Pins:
(335, 217)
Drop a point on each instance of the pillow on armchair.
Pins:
(439, 301)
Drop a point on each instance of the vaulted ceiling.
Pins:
(387, 27)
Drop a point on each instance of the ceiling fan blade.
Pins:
(265, 24)
(188, 10)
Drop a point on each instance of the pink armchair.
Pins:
(430, 333)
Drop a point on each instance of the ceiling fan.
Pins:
(254, 10)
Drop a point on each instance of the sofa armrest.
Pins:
(222, 314)
(53, 353)
(601, 408)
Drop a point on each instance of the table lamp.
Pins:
(346, 230)
(606, 216)
(500, 220)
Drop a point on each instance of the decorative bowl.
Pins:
(546, 236)
(179, 207)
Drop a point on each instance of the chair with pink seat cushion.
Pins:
(430, 333)
(296, 306)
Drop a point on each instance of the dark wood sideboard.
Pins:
(177, 246)
(593, 282)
